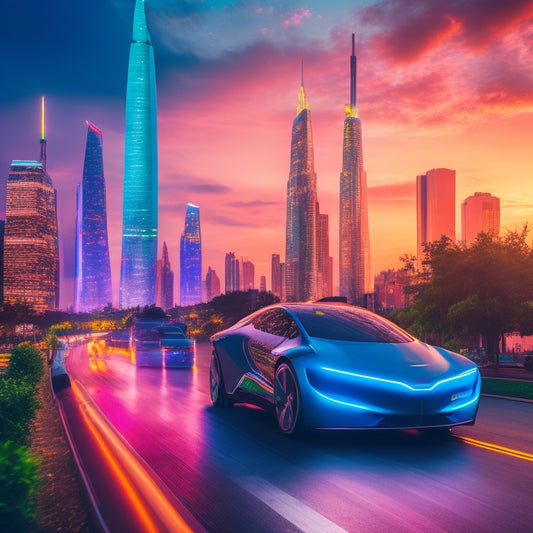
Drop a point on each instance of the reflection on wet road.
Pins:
(235, 472)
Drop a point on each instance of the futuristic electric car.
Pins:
(336, 366)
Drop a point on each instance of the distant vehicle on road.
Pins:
(336, 366)
(158, 341)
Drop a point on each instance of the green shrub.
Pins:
(19, 483)
(26, 363)
(18, 403)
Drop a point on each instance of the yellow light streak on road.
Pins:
(131, 474)
(495, 448)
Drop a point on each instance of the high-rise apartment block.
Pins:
(93, 270)
(191, 258)
(435, 208)
(262, 284)
(324, 261)
(31, 251)
(480, 214)
(300, 250)
(232, 274)
(139, 216)
(248, 276)
(212, 284)
(354, 238)
(164, 286)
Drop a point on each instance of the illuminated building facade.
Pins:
(31, 252)
(212, 284)
(276, 275)
(2, 229)
(480, 214)
(93, 270)
(248, 276)
(139, 222)
(300, 249)
(164, 286)
(354, 238)
(390, 289)
(232, 274)
(191, 258)
(435, 208)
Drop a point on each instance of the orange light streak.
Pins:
(496, 448)
(146, 497)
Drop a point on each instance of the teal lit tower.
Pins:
(191, 258)
(139, 219)
(354, 240)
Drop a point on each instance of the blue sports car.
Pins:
(336, 366)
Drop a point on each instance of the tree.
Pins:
(480, 290)
(25, 364)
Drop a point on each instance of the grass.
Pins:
(507, 387)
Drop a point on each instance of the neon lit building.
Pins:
(139, 219)
(93, 271)
(31, 251)
(300, 282)
(435, 208)
(164, 292)
(480, 214)
(354, 238)
(191, 258)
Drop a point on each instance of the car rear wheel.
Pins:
(287, 400)
(219, 397)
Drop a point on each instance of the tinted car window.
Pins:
(349, 324)
(277, 322)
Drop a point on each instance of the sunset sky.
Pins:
(441, 83)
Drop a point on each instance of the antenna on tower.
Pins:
(43, 140)
(353, 76)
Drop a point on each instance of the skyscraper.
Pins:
(139, 218)
(164, 286)
(480, 214)
(191, 258)
(93, 271)
(300, 250)
(31, 252)
(354, 239)
(324, 261)
(232, 273)
(212, 284)
(276, 275)
(2, 229)
(435, 208)
(248, 275)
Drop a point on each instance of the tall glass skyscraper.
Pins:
(139, 221)
(480, 214)
(191, 258)
(31, 251)
(300, 249)
(354, 239)
(93, 271)
(232, 274)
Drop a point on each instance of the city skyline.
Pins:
(439, 86)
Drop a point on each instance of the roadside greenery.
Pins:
(19, 478)
(467, 294)
(507, 387)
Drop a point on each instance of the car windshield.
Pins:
(349, 324)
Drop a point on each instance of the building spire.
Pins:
(43, 140)
(351, 108)
(140, 29)
(302, 104)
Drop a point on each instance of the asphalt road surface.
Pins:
(235, 472)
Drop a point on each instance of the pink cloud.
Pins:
(296, 17)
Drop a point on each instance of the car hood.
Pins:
(414, 362)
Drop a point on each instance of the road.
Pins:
(234, 472)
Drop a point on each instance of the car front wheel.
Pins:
(287, 400)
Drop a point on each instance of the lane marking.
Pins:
(287, 506)
(495, 448)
